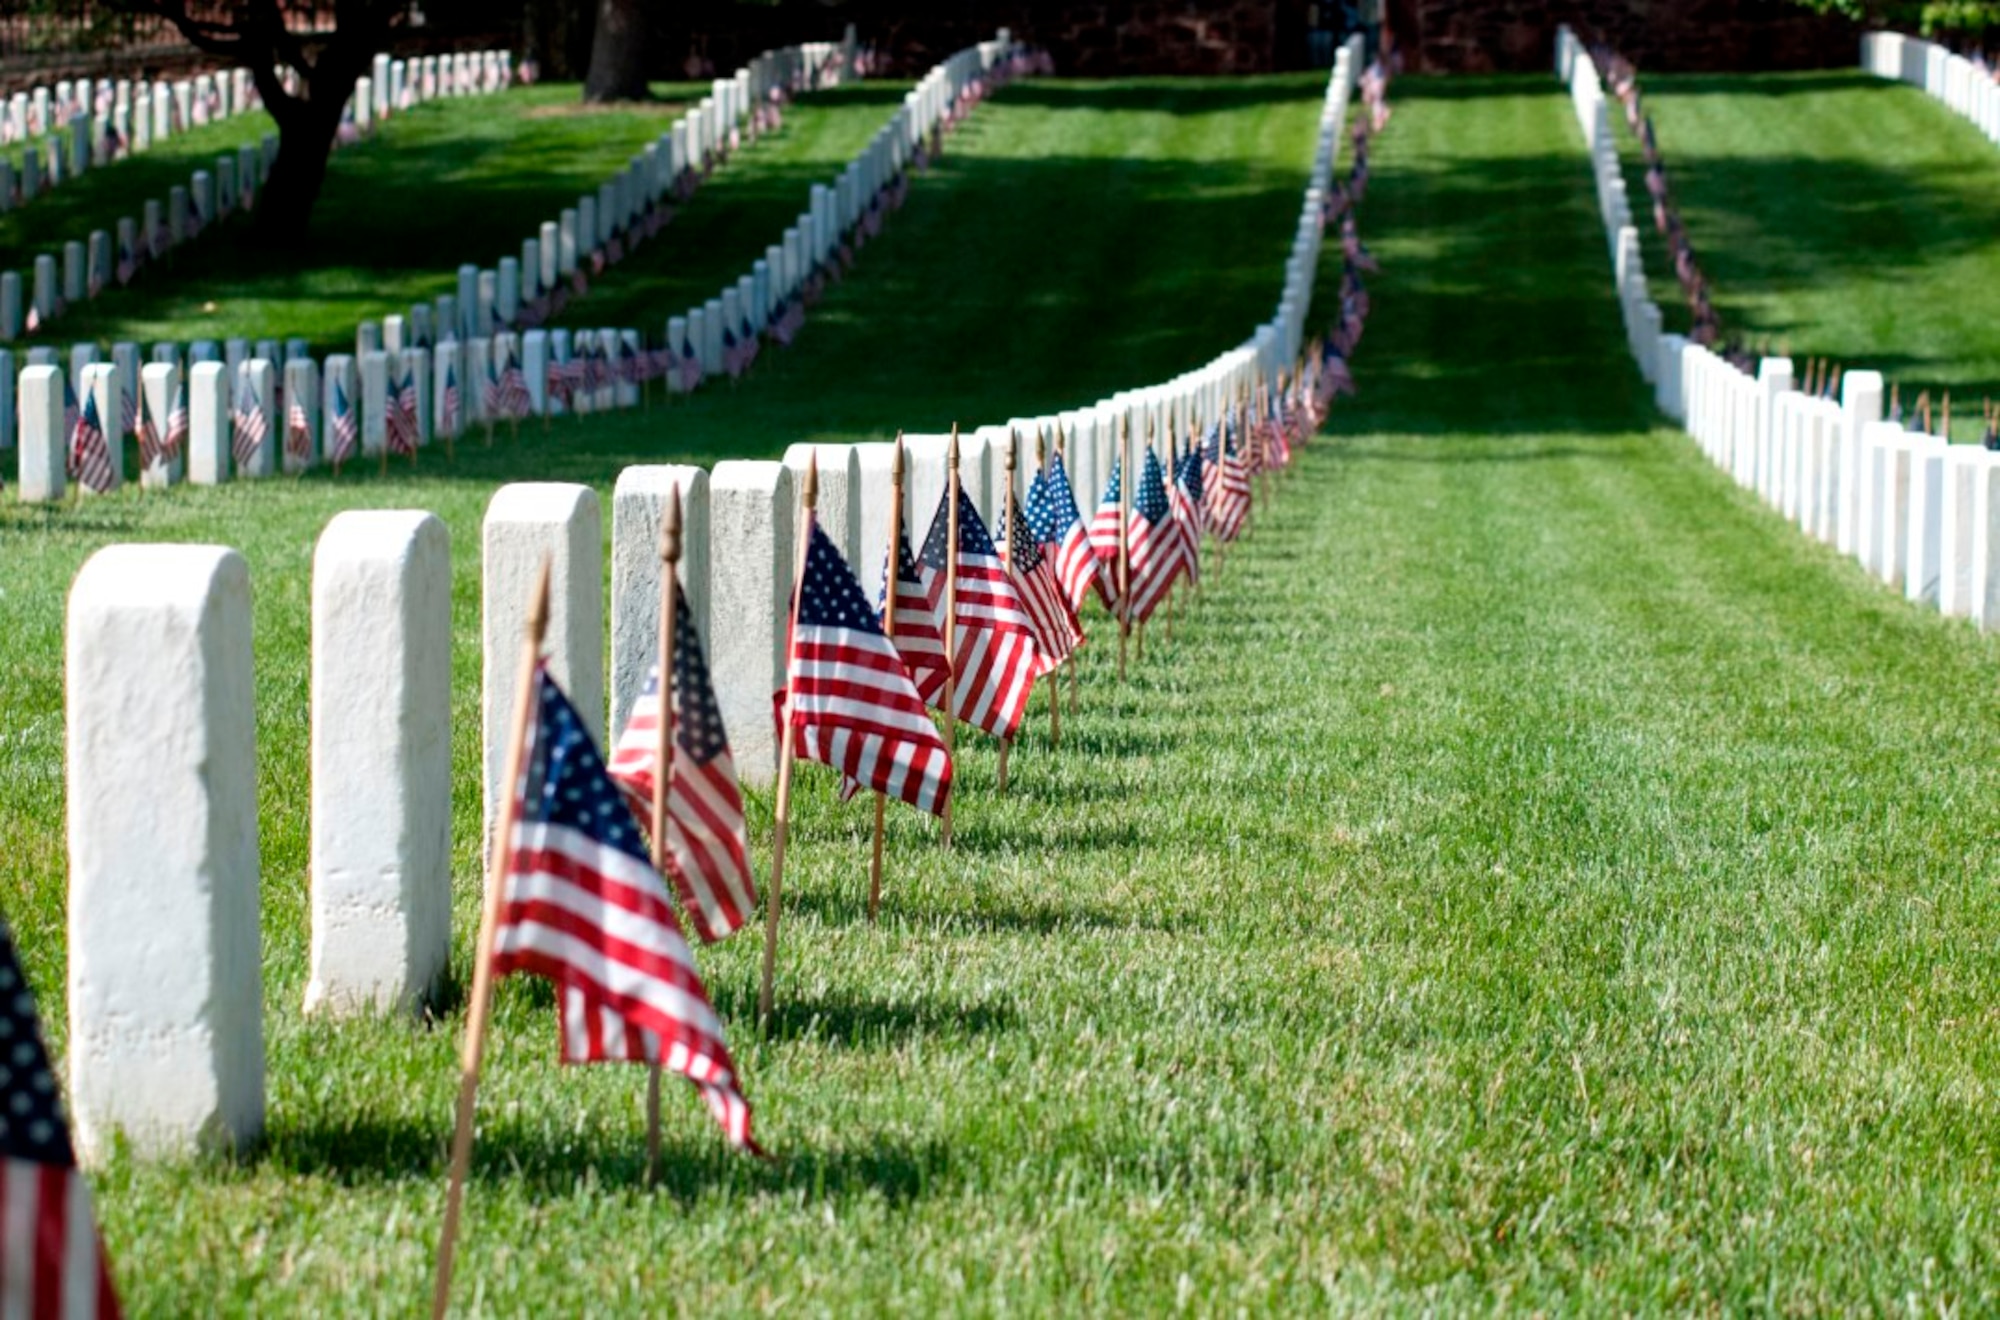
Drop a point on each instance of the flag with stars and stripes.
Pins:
(849, 694)
(146, 431)
(177, 423)
(707, 844)
(919, 629)
(1057, 632)
(399, 421)
(448, 409)
(1157, 555)
(994, 660)
(89, 451)
(298, 431)
(249, 426)
(343, 429)
(581, 905)
(51, 1259)
(1107, 532)
(1185, 499)
(1228, 491)
(1053, 517)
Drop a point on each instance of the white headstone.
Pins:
(526, 524)
(381, 761)
(44, 446)
(839, 496)
(257, 391)
(208, 424)
(301, 392)
(166, 1036)
(638, 509)
(753, 511)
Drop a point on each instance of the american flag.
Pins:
(733, 359)
(89, 453)
(148, 436)
(849, 693)
(298, 431)
(51, 1260)
(582, 906)
(516, 402)
(919, 630)
(1185, 497)
(1053, 516)
(631, 370)
(343, 429)
(1107, 532)
(558, 383)
(250, 428)
(448, 410)
(707, 845)
(177, 423)
(399, 421)
(1057, 631)
(1157, 555)
(994, 660)
(690, 366)
(1228, 495)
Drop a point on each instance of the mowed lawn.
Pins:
(449, 182)
(1532, 878)
(1842, 215)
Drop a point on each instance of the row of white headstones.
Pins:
(1918, 512)
(222, 379)
(1966, 87)
(487, 300)
(165, 1021)
(87, 267)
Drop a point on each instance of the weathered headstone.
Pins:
(528, 523)
(753, 516)
(638, 509)
(381, 761)
(166, 1038)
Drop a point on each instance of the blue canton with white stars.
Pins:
(972, 536)
(829, 597)
(1026, 552)
(1114, 488)
(1187, 474)
(906, 568)
(698, 731)
(565, 782)
(1150, 502)
(31, 1121)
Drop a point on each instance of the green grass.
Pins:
(1853, 218)
(449, 182)
(1534, 878)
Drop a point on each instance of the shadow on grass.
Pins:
(840, 1017)
(548, 1164)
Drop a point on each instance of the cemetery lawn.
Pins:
(1532, 878)
(449, 182)
(1845, 215)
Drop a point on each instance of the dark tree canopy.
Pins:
(1924, 17)
(328, 63)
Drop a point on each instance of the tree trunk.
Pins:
(306, 132)
(618, 53)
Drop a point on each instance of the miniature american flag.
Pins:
(919, 629)
(583, 907)
(1185, 499)
(343, 428)
(849, 693)
(994, 660)
(448, 411)
(707, 844)
(1228, 495)
(1057, 632)
(1157, 555)
(250, 427)
(1107, 532)
(89, 453)
(399, 422)
(51, 1261)
(298, 431)
(177, 423)
(1056, 523)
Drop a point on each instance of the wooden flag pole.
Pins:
(894, 579)
(1944, 419)
(1172, 460)
(1139, 627)
(1124, 541)
(782, 826)
(663, 763)
(481, 1006)
(1007, 562)
(950, 616)
(1055, 678)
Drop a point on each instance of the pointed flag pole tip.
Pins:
(538, 609)
(812, 480)
(670, 528)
